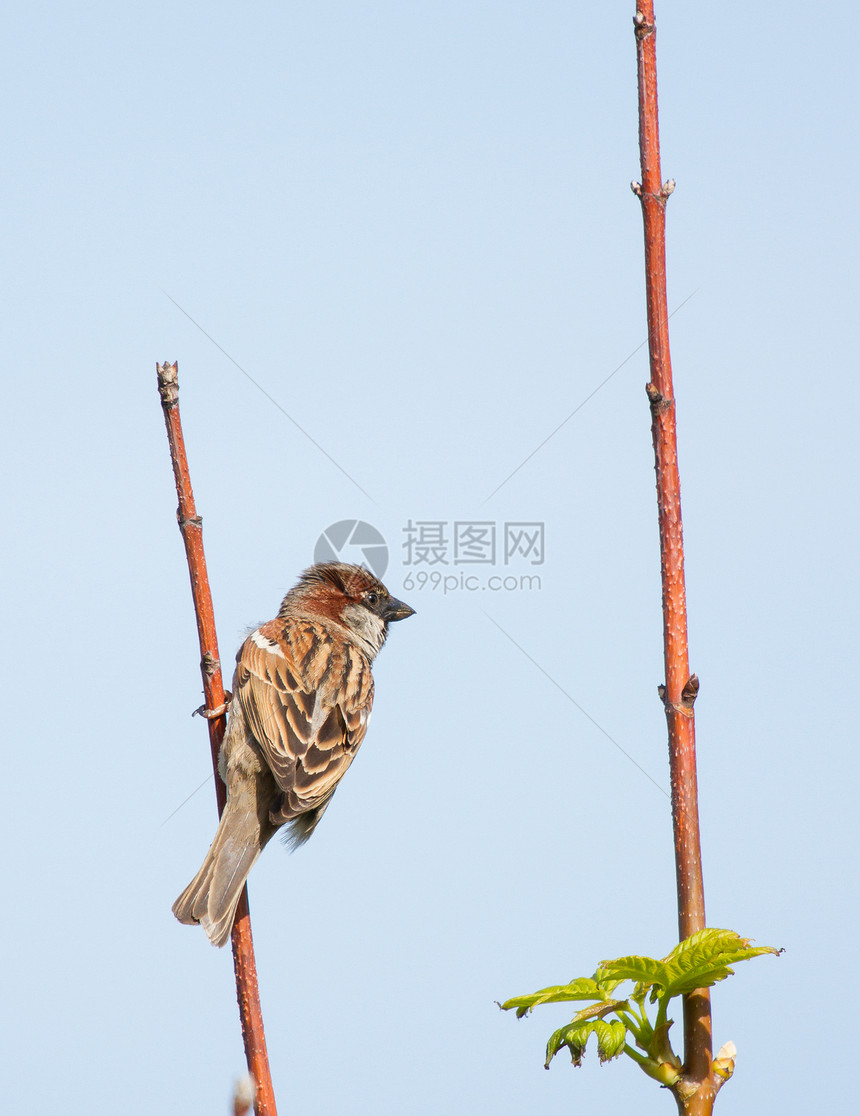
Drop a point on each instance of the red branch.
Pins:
(191, 526)
(696, 1090)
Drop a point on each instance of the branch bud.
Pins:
(244, 1095)
(724, 1063)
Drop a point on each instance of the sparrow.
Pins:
(302, 696)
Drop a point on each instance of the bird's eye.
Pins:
(372, 598)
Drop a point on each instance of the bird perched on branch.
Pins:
(302, 695)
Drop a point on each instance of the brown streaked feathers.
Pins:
(302, 697)
(307, 705)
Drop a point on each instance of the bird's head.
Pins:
(350, 596)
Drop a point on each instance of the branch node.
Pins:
(209, 664)
(188, 520)
(688, 698)
(168, 383)
(668, 188)
(658, 403)
(636, 187)
(641, 28)
(690, 691)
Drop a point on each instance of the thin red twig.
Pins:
(696, 1090)
(191, 526)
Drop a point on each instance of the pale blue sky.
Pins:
(412, 226)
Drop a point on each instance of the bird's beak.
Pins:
(396, 610)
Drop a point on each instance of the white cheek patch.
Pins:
(366, 625)
(266, 644)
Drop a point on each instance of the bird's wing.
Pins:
(306, 695)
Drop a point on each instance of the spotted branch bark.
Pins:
(191, 526)
(697, 1088)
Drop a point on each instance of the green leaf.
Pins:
(611, 1036)
(644, 970)
(705, 958)
(558, 1039)
(583, 989)
(697, 962)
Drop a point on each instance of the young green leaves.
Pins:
(697, 962)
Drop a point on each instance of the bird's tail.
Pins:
(212, 896)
